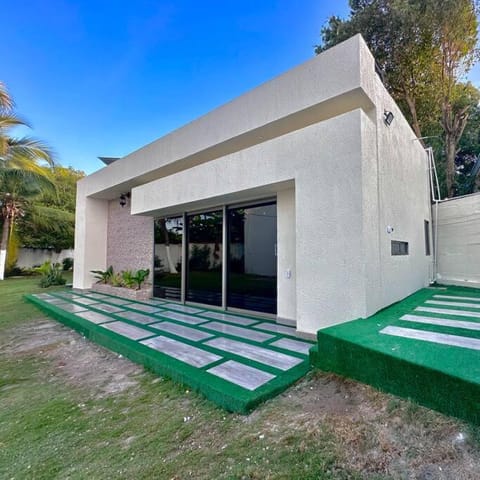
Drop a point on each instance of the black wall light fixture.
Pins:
(123, 199)
(388, 117)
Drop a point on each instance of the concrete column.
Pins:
(91, 222)
(286, 264)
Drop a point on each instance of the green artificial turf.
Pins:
(442, 377)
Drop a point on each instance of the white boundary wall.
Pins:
(31, 257)
(459, 241)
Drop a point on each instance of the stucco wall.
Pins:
(129, 239)
(396, 194)
(308, 159)
(459, 241)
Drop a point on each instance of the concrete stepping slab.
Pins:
(181, 351)
(71, 307)
(181, 308)
(243, 375)
(293, 345)
(444, 311)
(154, 302)
(55, 300)
(433, 337)
(137, 317)
(144, 308)
(225, 317)
(275, 327)
(182, 331)
(94, 317)
(86, 301)
(116, 300)
(443, 322)
(455, 297)
(238, 331)
(65, 294)
(43, 296)
(453, 304)
(252, 352)
(127, 330)
(99, 296)
(108, 308)
(182, 317)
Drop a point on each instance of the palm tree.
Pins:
(22, 175)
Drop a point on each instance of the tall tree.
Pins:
(49, 220)
(424, 48)
(21, 171)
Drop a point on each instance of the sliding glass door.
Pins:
(205, 254)
(252, 258)
(247, 281)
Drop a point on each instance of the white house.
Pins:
(297, 200)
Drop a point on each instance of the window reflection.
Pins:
(204, 272)
(168, 258)
(252, 261)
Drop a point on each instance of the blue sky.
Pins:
(103, 78)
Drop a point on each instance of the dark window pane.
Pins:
(252, 260)
(426, 226)
(399, 248)
(204, 267)
(168, 258)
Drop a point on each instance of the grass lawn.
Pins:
(70, 409)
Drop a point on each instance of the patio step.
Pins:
(417, 348)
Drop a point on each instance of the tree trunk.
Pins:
(450, 153)
(453, 125)
(3, 245)
(413, 112)
(163, 226)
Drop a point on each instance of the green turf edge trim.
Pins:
(431, 388)
(221, 392)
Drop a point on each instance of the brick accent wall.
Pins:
(129, 239)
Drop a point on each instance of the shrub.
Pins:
(140, 276)
(103, 276)
(67, 264)
(51, 274)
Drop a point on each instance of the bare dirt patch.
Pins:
(79, 362)
(374, 433)
(379, 434)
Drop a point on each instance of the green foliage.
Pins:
(67, 264)
(140, 276)
(52, 274)
(199, 258)
(49, 220)
(116, 280)
(103, 275)
(126, 278)
(424, 49)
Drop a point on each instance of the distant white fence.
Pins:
(30, 257)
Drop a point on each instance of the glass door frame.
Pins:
(225, 251)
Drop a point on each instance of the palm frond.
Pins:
(21, 151)
(6, 102)
(51, 218)
(26, 183)
(10, 119)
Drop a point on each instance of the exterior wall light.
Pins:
(388, 117)
(123, 199)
